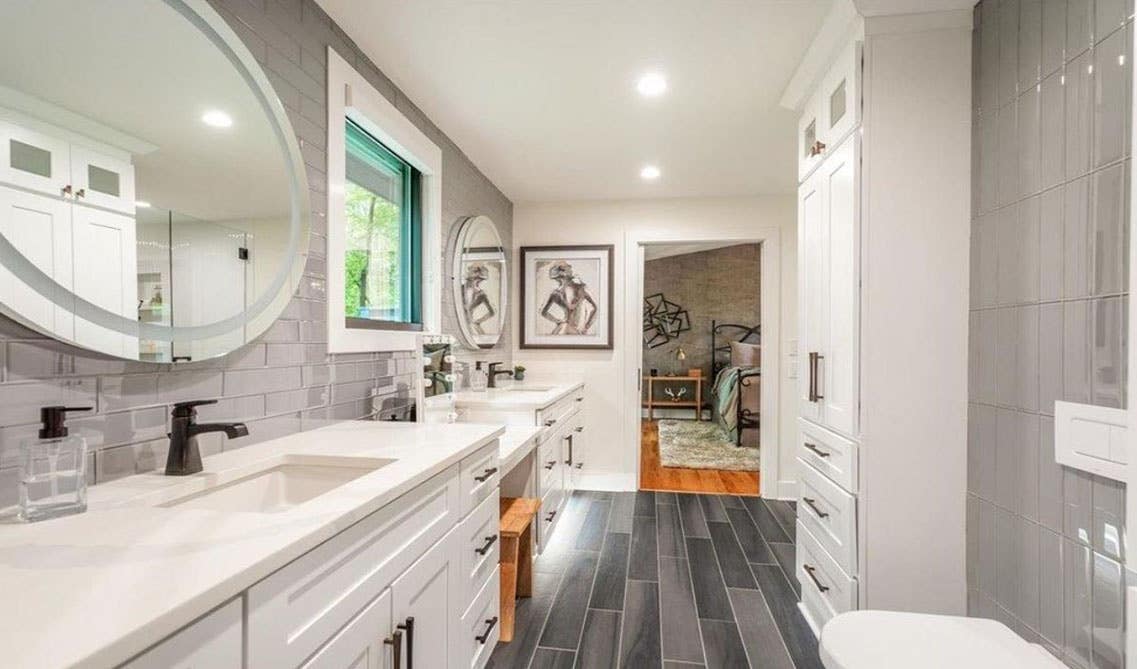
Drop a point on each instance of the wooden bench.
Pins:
(517, 515)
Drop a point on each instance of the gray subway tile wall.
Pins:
(1050, 229)
(286, 381)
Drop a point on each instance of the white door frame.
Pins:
(770, 484)
(1130, 573)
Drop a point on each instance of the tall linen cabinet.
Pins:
(883, 224)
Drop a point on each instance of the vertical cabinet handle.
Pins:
(486, 474)
(395, 641)
(809, 569)
(569, 461)
(485, 636)
(814, 359)
(409, 627)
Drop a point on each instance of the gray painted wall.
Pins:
(286, 381)
(1048, 316)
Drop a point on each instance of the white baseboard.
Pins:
(809, 619)
(607, 481)
(786, 490)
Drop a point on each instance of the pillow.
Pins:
(745, 355)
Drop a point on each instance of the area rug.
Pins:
(702, 445)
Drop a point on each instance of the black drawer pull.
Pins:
(812, 503)
(809, 569)
(551, 516)
(550, 464)
(580, 465)
(580, 399)
(578, 429)
(409, 627)
(485, 477)
(550, 422)
(815, 449)
(490, 624)
(485, 549)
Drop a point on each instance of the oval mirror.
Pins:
(481, 282)
(153, 202)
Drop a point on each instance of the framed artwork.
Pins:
(566, 297)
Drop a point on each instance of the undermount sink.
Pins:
(274, 485)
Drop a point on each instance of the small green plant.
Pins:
(519, 368)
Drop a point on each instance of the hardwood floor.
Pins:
(677, 479)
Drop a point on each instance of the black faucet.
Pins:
(495, 372)
(184, 456)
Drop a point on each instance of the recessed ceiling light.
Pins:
(215, 118)
(651, 85)
(142, 204)
(649, 173)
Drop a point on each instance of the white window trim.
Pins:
(351, 96)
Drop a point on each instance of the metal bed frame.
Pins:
(745, 419)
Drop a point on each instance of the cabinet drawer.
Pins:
(480, 546)
(561, 409)
(289, 615)
(825, 589)
(832, 455)
(830, 513)
(481, 626)
(214, 640)
(480, 476)
(549, 515)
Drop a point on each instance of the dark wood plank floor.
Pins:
(654, 476)
(662, 579)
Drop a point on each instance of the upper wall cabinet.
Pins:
(832, 112)
(154, 200)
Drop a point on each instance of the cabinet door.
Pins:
(360, 644)
(430, 592)
(578, 453)
(106, 275)
(39, 228)
(213, 641)
(812, 266)
(838, 369)
(101, 180)
(34, 160)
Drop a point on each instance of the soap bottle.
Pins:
(478, 379)
(53, 469)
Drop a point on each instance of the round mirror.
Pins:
(481, 282)
(153, 201)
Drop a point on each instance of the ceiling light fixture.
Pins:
(650, 173)
(216, 118)
(651, 85)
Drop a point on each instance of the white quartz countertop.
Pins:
(524, 395)
(517, 442)
(97, 588)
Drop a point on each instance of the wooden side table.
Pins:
(697, 404)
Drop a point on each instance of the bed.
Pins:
(736, 373)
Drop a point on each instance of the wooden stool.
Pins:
(516, 556)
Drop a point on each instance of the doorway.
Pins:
(700, 408)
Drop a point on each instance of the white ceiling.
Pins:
(541, 95)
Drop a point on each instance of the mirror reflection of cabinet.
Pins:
(98, 138)
(480, 280)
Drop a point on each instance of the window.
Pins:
(383, 237)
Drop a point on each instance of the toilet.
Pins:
(893, 639)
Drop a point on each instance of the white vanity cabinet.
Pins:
(214, 640)
(420, 574)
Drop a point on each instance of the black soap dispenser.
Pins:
(53, 468)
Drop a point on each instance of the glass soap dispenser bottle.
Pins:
(478, 378)
(53, 469)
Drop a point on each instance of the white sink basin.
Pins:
(270, 486)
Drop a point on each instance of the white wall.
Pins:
(612, 452)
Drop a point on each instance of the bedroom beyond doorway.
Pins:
(701, 368)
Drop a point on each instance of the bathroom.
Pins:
(322, 328)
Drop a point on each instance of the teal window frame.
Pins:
(365, 146)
